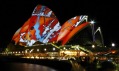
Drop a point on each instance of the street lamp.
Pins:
(92, 26)
(45, 49)
(93, 46)
(53, 49)
(113, 45)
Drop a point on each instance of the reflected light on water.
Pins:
(26, 67)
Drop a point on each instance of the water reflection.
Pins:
(24, 67)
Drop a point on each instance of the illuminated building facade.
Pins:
(44, 27)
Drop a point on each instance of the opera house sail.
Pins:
(43, 26)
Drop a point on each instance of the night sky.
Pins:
(13, 15)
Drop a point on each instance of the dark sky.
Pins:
(14, 13)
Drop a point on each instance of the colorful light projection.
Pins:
(74, 31)
(44, 26)
(69, 25)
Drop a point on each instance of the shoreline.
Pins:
(60, 65)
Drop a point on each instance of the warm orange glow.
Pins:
(113, 51)
(67, 27)
(16, 33)
(74, 31)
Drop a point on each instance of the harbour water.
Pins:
(8, 66)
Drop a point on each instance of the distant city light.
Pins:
(93, 46)
(53, 49)
(38, 50)
(113, 44)
(45, 49)
(92, 22)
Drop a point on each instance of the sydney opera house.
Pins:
(42, 35)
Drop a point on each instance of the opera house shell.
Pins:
(43, 29)
(43, 34)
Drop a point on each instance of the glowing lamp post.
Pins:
(45, 49)
(53, 49)
(113, 45)
(92, 24)
(93, 46)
